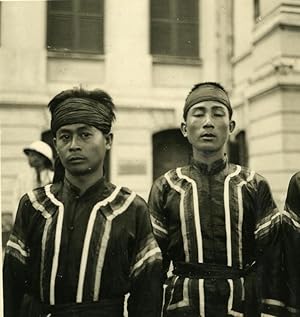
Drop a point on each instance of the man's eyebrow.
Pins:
(217, 107)
(64, 130)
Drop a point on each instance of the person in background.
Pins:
(291, 246)
(216, 222)
(40, 158)
(40, 173)
(79, 245)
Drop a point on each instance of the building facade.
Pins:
(266, 86)
(147, 54)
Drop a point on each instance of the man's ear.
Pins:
(55, 146)
(109, 139)
(183, 129)
(231, 126)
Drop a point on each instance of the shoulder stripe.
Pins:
(17, 247)
(36, 205)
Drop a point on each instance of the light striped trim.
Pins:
(36, 205)
(235, 313)
(156, 226)
(228, 227)
(295, 223)
(241, 215)
(163, 300)
(185, 296)
(202, 297)
(43, 250)
(292, 309)
(267, 222)
(182, 218)
(267, 315)
(196, 213)
(274, 302)
(230, 299)
(227, 213)
(18, 248)
(104, 243)
(240, 221)
(87, 240)
(243, 288)
(150, 255)
(58, 233)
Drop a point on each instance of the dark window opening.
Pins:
(170, 150)
(256, 9)
(76, 26)
(175, 28)
(238, 150)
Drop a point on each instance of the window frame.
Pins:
(76, 15)
(173, 55)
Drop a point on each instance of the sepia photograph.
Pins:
(149, 154)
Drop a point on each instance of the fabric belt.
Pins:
(114, 306)
(210, 270)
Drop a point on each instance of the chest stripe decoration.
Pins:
(87, 240)
(104, 243)
(228, 229)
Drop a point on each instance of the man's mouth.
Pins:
(75, 159)
(208, 136)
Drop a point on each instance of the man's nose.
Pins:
(74, 145)
(208, 122)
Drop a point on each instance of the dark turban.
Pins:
(204, 92)
(82, 110)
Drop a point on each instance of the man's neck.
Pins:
(83, 182)
(208, 158)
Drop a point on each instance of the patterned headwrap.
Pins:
(204, 92)
(81, 110)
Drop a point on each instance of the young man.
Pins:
(79, 245)
(216, 222)
(291, 228)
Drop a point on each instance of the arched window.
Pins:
(238, 150)
(170, 149)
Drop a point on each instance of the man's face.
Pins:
(35, 159)
(81, 148)
(208, 126)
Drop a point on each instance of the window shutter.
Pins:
(91, 34)
(76, 25)
(59, 32)
(174, 28)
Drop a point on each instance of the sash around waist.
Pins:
(114, 305)
(210, 270)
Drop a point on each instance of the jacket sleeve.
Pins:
(269, 250)
(15, 262)
(159, 219)
(146, 269)
(291, 242)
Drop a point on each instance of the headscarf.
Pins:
(204, 92)
(81, 110)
